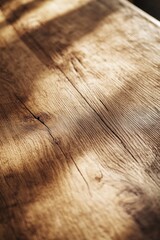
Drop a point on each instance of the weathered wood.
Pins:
(80, 121)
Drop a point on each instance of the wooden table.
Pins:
(80, 121)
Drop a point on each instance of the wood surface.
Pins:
(80, 121)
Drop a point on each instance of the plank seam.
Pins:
(104, 122)
(56, 142)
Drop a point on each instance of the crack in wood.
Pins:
(104, 105)
(78, 169)
(38, 118)
(56, 142)
(124, 145)
(101, 118)
(50, 61)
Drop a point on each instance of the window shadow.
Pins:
(21, 9)
(24, 186)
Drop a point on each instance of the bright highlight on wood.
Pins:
(79, 121)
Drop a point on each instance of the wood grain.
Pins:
(80, 121)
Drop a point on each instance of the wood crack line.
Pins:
(38, 118)
(101, 118)
(60, 69)
(123, 144)
(57, 143)
(78, 169)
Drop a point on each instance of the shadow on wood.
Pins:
(25, 185)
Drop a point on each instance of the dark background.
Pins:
(150, 6)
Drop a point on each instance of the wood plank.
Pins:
(80, 129)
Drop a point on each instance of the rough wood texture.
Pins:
(80, 121)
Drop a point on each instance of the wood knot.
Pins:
(43, 116)
(99, 177)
